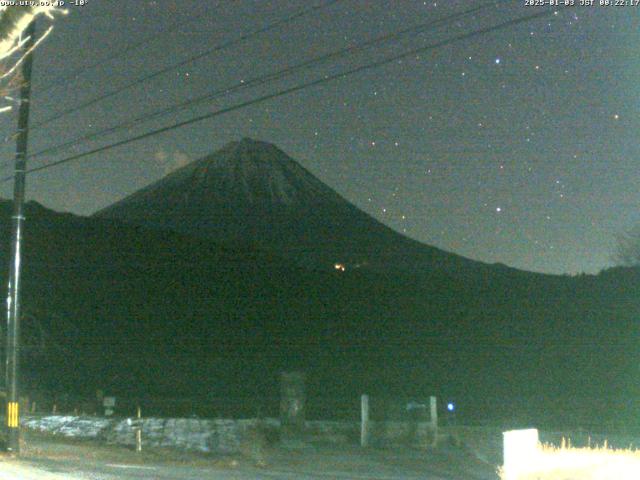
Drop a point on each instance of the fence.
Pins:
(512, 413)
(155, 406)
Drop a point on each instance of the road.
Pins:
(55, 459)
(25, 471)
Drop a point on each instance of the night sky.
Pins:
(518, 146)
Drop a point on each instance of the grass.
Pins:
(568, 463)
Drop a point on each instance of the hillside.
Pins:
(144, 312)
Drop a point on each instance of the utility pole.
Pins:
(13, 294)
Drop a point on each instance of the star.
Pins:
(504, 115)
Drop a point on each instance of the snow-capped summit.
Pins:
(255, 172)
(244, 173)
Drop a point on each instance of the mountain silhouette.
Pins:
(252, 191)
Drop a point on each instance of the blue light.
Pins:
(451, 407)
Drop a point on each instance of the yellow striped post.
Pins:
(12, 414)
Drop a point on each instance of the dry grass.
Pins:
(567, 463)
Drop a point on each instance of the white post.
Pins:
(520, 452)
(433, 404)
(364, 420)
(139, 431)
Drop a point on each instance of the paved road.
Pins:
(15, 470)
(47, 459)
(10, 470)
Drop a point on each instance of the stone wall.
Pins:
(224, 436)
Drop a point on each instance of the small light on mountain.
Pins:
(339, 267)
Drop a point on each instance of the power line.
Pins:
(157, 73)
(71, 77)
(286, 91)
(278, 75)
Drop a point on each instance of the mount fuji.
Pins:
(251, 191)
